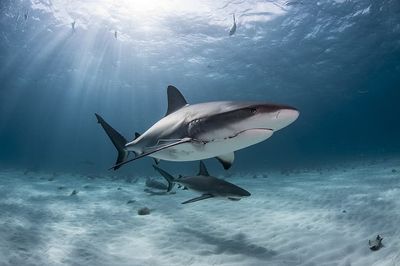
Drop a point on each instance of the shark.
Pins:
(208, 186)
(191, 132)
(233, 29)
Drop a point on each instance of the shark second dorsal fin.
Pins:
(175, 100)
(203, 169)
(137, 135)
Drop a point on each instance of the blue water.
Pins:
(336, 61)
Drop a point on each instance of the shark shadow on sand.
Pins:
(238, 244)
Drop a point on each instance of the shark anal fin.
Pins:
(203, 169)
(202, 197)
(175, 100)
(226, 159)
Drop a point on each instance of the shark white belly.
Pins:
(199, 150)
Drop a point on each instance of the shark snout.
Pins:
(246, 193)
(284, 117)
(288, 114)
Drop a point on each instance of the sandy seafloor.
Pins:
(322, 217)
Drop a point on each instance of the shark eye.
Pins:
(253, 110)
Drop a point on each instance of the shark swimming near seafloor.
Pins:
(200, 131)
(208, 186)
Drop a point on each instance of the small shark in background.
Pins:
(233, 29)
(208, 186)
(201, 131)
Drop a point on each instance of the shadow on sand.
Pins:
(238, 244)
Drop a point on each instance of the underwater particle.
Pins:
(50, 179)
(144, 211)
(74, 192)
(60, 187)
(375, 244)
(119, 188)
(344, 211)
(130, 201)
(394, 171)
(86, 186)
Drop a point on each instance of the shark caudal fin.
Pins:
(117, 139)
(170, 179)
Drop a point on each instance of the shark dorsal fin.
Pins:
(203, 169)
(137, 135)
(175, 100)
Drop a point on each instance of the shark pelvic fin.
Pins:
(153, 150)
(226, 160)
(175, 100)
(203, 169)
(202, 197)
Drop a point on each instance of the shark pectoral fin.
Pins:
(226, 159)
(202, 197)
(153, 150)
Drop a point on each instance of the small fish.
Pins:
(116, 34)
(73, 26)
(233, 29)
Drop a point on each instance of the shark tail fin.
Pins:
(170, 179)
(116, 138)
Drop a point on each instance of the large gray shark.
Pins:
(207, 185)
(201, 131)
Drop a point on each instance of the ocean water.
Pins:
(320, 187)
